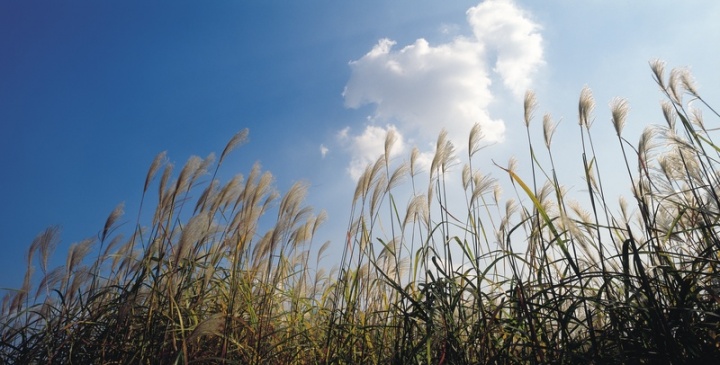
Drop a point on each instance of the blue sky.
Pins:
(91, 91)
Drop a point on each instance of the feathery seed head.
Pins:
(680, 162)
(546, 192)
(322, 250)
(126, 251)
(658, 69)
(497, 193)
(548, 129)
(675, 85)
(512, 164)
(164, 179)
(688, 82)
(50, 281)
(646, 144)
(390, 139)
(193, 233)
(511, 207)
(482, 184)
(449, 155)
(586, 105)
(397, 176)
(111, 219)
(77, 253)
(669, 114)
(238, 139)
(205, 165)
(209, 195)
(666, 167)
(320, 219)
(264, 186)
(643, 189)
(529, 105)
(211, 326)
(476, 135)
(696, 118)
(294, 197)
(440, 156)
(581, 212)
(417, 209)
(20, 295)
(184, 180)
(413, 161)
(80, 276)
(154, 168)
(361, 188)
(44, 243)
(377, 169)
(378, 193)
(115, 242)
(592, 178)
(466, 176)
(619, 109)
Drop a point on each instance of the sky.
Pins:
(91, 91)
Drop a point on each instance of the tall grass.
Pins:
(223, 272)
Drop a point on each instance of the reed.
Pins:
(224, 271)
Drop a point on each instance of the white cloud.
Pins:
(422, 88)
(323, 150)
(344, 133)
(499, 24)
(449, 29)
(368, 146)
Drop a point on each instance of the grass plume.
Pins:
(545, 275)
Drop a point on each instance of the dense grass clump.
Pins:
(223, 272)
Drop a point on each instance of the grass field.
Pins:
(228, 273)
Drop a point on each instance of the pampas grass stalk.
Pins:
(545, 275)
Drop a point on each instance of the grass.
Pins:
(229, 273)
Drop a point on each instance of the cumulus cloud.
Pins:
(368, 146)
(422, 88)
(506, 28)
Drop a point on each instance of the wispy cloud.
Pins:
(421, 88)
(323, 150)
